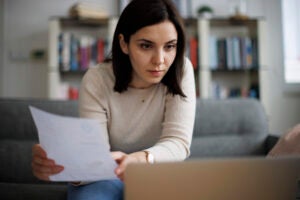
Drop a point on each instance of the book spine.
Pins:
(194, 52)
(236, 53)
(254, 53)
(60, 51)
(84, 53)
(221, 49)
(65, 52)
(229, 53)
(100, 50)
(213, 54)
(248, 53)
(74, 51)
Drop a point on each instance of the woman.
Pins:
(144, 96)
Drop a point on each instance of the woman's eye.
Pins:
(171, 46)
(145, 46)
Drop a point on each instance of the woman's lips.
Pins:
(156, 73)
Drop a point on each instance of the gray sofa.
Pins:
(223, 128)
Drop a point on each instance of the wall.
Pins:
(284, 106)
(1, 45)
(25, 28)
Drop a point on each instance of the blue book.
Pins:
(74, 54)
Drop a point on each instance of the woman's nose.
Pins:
(158, 57)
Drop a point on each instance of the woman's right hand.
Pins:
(42, 166)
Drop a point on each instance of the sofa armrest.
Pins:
(270, 142)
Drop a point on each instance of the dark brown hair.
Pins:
(138, 14)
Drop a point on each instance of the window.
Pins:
(291, 40)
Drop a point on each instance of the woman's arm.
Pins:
(92, 99)
(179, 117)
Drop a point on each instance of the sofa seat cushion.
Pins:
(227, 146)
(33, 191)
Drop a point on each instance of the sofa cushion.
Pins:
(227, 146)
(16, 120)
(15, 159)
(230, 117)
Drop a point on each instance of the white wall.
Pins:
(1, 45)
(26, 27)
(284, 106)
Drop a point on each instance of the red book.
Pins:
(194, 51)
(100, 49)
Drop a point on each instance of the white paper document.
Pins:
(75, 143)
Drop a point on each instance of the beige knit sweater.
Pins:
(140, 119)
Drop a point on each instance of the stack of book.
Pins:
(219, 91)
(78, 53)
(87, 11)
(233, 53)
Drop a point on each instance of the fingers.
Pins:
(120, 170)
(43, 172)
(117, 155)
(42, 166)
(38, 151)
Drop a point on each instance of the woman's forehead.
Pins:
(164, 31)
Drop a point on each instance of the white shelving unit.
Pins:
(231, 77)
(59, 81)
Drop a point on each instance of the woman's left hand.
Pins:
(124, 159)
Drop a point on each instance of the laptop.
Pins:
(256, 178)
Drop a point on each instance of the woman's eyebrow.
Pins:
(171, 41)
(149, 41)
(144, 40)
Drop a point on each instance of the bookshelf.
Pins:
(74, 46)
(231, 57)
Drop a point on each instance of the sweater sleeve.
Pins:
(177, 127)
(92, 100)
(92, 103)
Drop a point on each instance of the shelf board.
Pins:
(87, 22)
(72, 73)
(235, 70)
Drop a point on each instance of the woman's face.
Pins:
(151, 50)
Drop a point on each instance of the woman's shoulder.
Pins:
(187, 63)
(100, 75)
(101, 71)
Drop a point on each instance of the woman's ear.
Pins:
(123, 44)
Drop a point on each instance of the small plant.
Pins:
(205, 9)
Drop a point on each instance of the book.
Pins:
(84, 53)
(74, 65)
(229, 53)
(65, 54)
(249, 58)
(221, 49)
(213, 53)
(85, 10)
(193, 51)
(236, 52)
(100, 50)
